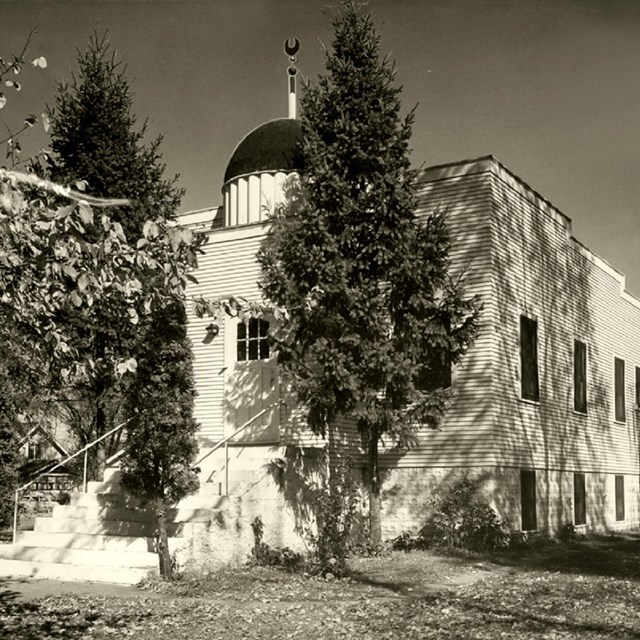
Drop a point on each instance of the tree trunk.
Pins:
(164, 557)
(375, 520)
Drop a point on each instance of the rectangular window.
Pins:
(579, 499)
(530, 389)
(35, 451)
(579, 376)
(436, 373)
(637, 387)
(253, 340)
(619, 498)
(528, 499)
(619, 390)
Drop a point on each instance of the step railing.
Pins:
(48, 470)
(225, 443)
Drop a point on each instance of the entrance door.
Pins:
(251, 382)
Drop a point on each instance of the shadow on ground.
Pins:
(7, 593)
(419, 573)
(615, 556)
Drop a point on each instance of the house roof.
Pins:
(39, 429)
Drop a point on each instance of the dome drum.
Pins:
(252, 198)
(257, 170)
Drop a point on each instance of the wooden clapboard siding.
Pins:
(465, 436)
(228, 267)
(516, 252)
(541, 271)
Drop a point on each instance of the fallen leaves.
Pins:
(262, 603)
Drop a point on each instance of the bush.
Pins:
(336, 512)
(460, 518)
(263, 555)
(463, 519)
(567, 532)
(63, 497)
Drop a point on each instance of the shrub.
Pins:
(336, 512)
(406, 542)
(460, 518)
(63, 497)
(567, 532)
(263, 555)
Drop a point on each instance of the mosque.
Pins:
(544, 411)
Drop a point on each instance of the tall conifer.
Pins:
(374, 317)
(162, 446)
(94, 140)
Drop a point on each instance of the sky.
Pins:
(551, 88)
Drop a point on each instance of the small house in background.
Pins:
(40, 451)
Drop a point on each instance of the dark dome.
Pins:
(273, 146)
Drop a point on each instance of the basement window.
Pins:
(579, 499)
(253, 340)
(528, 499)
(619, 498)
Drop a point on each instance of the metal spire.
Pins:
(291, 49)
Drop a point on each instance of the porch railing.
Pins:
(84, 450)
(225, 443)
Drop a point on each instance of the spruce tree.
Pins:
(94, 139)
(374, 315)
(95, 144)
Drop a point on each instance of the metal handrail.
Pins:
(225, 443)
(84, 450)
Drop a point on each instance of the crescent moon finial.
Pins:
(291, 48)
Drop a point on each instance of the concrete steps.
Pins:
(102, 512)
(254, 460)
(101, 537)
(207, 498)
(102, 527)
(89, 541)
(105, 536)
(88, 557)
(59, 571)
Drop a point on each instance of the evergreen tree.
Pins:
(161, 447)
(94, 141)
(374, 315)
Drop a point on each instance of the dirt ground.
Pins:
(29, 589)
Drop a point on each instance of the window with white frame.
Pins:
(252, 340)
